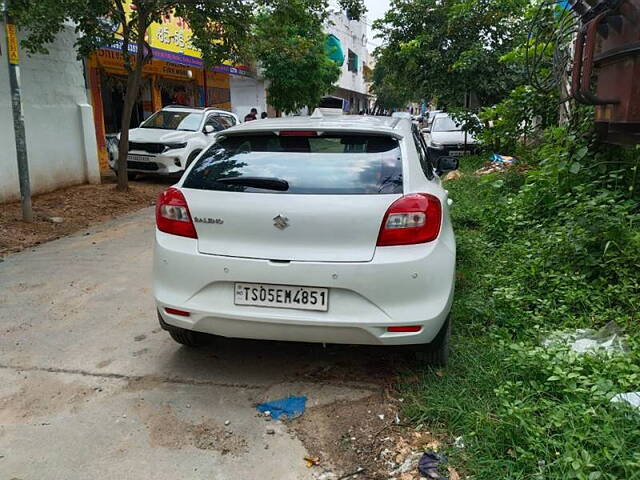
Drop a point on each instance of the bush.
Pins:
(552, 245)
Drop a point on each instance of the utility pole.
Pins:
(18, 115)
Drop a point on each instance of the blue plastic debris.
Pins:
(289, 407)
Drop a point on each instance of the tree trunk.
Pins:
(133, 85)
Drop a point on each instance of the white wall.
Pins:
(60, 139)
(247, 93)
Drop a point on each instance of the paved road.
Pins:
(90, 387)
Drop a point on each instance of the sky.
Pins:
(375, 10)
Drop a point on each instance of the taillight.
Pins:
(172, 214)
(411, 219)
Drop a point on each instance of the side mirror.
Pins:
(208, 129)
(447, 164)
(426, 130)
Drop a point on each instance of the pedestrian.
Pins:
(252, 115)
(263, 115)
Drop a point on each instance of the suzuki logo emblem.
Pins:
(280, 222)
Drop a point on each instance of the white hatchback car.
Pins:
(169, 140)
(328, 229)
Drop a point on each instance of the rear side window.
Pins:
(297, 163)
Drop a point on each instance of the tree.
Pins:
(449, 48)
(219, 31)
(289, 45)
(391, 91)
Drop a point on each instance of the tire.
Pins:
(436, 353)
(132, 176)
(188, 338)
(185, 337)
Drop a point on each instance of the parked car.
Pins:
(169, 140)
(331, 229)
(429, 116)
(445, 137)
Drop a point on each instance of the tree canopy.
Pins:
(290, 44)
(446, 49)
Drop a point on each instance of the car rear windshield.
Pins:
(298, 163)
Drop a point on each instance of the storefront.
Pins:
(175, 76)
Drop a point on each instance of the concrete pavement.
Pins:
(90, 387)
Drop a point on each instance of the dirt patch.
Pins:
(168, 431)
(71, 209)
(365, 438)
(44, 395)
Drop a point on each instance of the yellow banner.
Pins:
(172, 35)
(12, 44)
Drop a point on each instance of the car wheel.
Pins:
(188, 338)
(437, 352)
(132, 176)
(185, 337)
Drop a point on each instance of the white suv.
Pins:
(170, 139)
(445, 137)
(314, 229)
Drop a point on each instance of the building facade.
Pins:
(175, 75)
(351, 37)
(61, 140)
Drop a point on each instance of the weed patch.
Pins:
(540, 250)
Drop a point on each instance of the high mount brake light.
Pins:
(411, 219)
(172, 214)
(298, 133)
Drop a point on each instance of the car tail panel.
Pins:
(337, 228)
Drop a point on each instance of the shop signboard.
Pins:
(171, 41)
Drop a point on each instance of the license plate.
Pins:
(456, 153)
(282, 296)
(139, 158)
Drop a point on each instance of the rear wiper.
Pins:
(268, 183)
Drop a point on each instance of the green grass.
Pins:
(524, 411)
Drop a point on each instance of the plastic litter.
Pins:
(289, 407)
(587, 340)
(429, 463)
(497, 163)
(632, 398)
(410, 462)
(311, 461)
(454, 175)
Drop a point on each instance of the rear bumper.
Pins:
(401, 286)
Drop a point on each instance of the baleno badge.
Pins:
(217, 221)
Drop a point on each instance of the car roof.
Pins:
(181, 108)
(397, 127)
